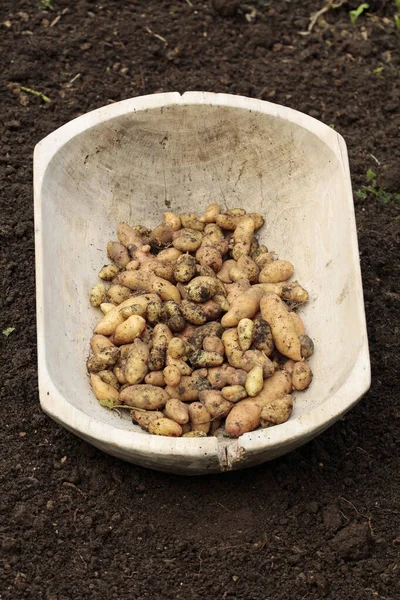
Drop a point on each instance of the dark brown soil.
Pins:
(322, 522)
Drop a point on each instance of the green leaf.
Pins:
(8, 331)
(397, 21)
(107, 403)
(371, 175)
(354, 14)
(378, 70)
(361, 194)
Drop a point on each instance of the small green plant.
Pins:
(8, 331)
(354, 14)
(372, 188)
(46, 4)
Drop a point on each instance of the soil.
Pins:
(322, 522)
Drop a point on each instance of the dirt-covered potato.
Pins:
(130, 329)
(143, 395)
(307, 346)
(209, 256)
(185, 268)
(172, 375)
(177, 411)
(276, 313)
(97, 294)
(215, 403)
(242, 237)
(108, 272)
(234, 393)
(136, 367)
(301, 376)
(193, 312)
(277, 412)
(143, 419)
(161, 236)
(166, 427)
(244, 417)
(118, 253)
(245, 333)
(201, 289)
(118, 293)
(98, 342)
(187, 240)
(224, 272)
(172, 220)
(191, 221)
(161, 337)
(173, 316)
(244, 306)
(103, 359)
(105, 393)
(199, 416)
(110, 378)
(210, 213)
(262, 337)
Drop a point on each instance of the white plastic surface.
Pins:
(131, 161)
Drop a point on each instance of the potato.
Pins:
(277, 271)
(298, 324)
(188, 388)
(212, 343)
(136, 362)
(187, 240)
(173, 220)
(161, 236)
(193, 312)
(108, 272)
(105, 393)
(169, 255)
(258, 220)
(277, 386)
(118, 293)
(234, 393)
(222, 302)
(187, 333)
(258, 251)
(136, 280)
(212, 310)
(194, 434)
(249, 269)
(291, 291)
(133, 265)
(143, 395)
(201, 358)
(264, 259)
(275, 312)
(277, 412)
(97, 294)
(191, 221)
(213, 234)
(129, 236)
(134, 309)
(172, 375)
(177, 411)
(173, 316)
(201, 289)
(244, 417)
(237, 289)
(210, 213)
(154, 313)
(118, 253)
(105, 307)
(165, 289)
(244, 306)
(110, 378)
(307, 346)
(215, 403)
(254, 381)
(242, 237)
(176, 348)
(262, 337)
(164, 270)
(233, 351)
(103, 359)
(236, 212)
(119, 371)
(185, 268)
(219, 377)
(155, 378)
(253, 358)
(98, 342)
(165, 427)
(227, 222)
(301, 376)
(161, 338)
(200, 418)
(245, 330)
(224, 272)
(143, 419)
(130, 329)
(113, 318)
(209, 256)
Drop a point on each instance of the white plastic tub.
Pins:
(132, 160)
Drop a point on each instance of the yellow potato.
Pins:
(187, 240)
(212, 235)
(201, 289)
(211, 213)
(133, 265)
(177, 411)
(290, 291)
(277, 412)
(130, 329)
(143, 419)
(118, 253)
(105, 307)
(136, 280)
(97, 294)
(202, 358)
(307, 346)
(212, 343)
(245, 333)
(165, 289)
(191, 221)
(276, 313)
(289, 366)
(155, 378)
(119, 371)
(173, 220)
(180, 364)
(110, 378)
(215, 403)
(169, 255)
(244, 306)
(172, 375)
(136, 362)
(143, 395)
(161, 236)
(173, 317)
(118, 293)
(200, 418)
(209, 256)
(185, 268)
(301, 376)
(277, 271)
(225, 375)
(105, 393)
(233, 351)
(161, 338)
(103, 359)
(108, 272)
(134, 309)
(237, 289)
(128, 236)
(298, 324)
(254, 381)
(166, 427)
(264, 259)
(244, 417)
(249, 268)
(224, 272)
(98, 342)
(254, 358)
(222, 302)
(194, 434)
(176, 348)
(234, 393)
(277, 386)
(164, 270)
(192, 312)
(212, 310)
(243, 236)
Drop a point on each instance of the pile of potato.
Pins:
(199, 327)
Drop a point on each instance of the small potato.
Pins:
(143, 419)
(233, 351)
(244, 306)
(133, 265)
(289, 366)
(98, 342)
(154, 312)
(222, 376)
(189, 388)
(165, 289)
(110, 378)
(237, 289)
(105, 393)
(128, 236)
(298, 324)
(194, 434)
(118, 253)
(177, 411)
(103, 359)
(108, 272)
(134, 309)
(253, 358)
(155, 378)
(119, 371)
(161, 338)
(274, 388)
(301, 376)
(244, 417)
(105, 307)
(234, 393)
(169, 255)
(242, 237)
(264, 259)
(245, 333)
(147, 335)
(136, 280)
(142, 395)
(185, 268)
(262, 338)
(172, 220)
(258, 220)
(307, 346)
(213, 234)
(209, 256)
(97, 294)
(193, 312)
(172, 376)
(212, 343)
(136, 362)
(173, 317)
(254, 381)
(180, 364)
(258, 251)
(201, 358)
(201, 289)
(187, 333)
(236, 212)
(277, 412)
(130, 329)
(249, 268)
(277, 271)
(176, 348)
(187, 240)
(161, 236)
(212, 310)
(164, 270)
(222, 302)
(191, 221)
(204, 271)
(210, 213)
(224, 272)
(200, 418)
(165, 427)
(275, 312)
(215, 403)
(118, 293)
